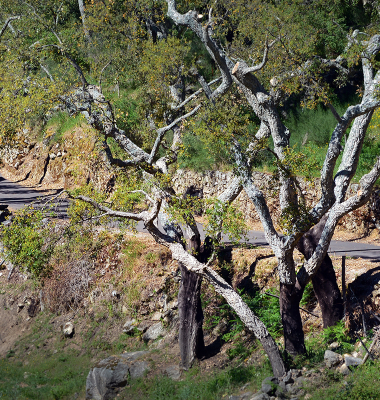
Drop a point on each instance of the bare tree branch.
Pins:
(7, 22)
(161, 132)
(194, 95)
(101, 72)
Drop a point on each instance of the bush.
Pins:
(29, 241)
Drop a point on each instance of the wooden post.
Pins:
(344, 285)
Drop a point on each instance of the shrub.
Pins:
(29, 241)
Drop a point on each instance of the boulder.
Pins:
(331, 358)
(108, 376)
(154, 332)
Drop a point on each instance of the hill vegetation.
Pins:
(286, 87)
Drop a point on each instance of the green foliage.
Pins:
(338, 333)
(267, 308)
(197, 384)
(60, 123)
(29, 241)
(364, 384)
(226, 219)
(308, 295)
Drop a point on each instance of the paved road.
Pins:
(16, 196)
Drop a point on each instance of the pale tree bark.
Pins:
(83, 17)
(265, 107)
(333, 190)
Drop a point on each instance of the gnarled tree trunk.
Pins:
(290, 297)
(327, 292)
(324, 281)
(190, 318)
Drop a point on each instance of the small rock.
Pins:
(173, 372)
(332, 359)
(156, 316)
(288, 378)
(144, 325)
(20, 306)
(220, 328)
(68, 329)
(344, 370)
(296, 373)
(300, 380)
(269, 385)
(154, 332)
(352, 361)
(334, 346)
(52, 156)
(172, 305)
(260, 396)
(129, 326)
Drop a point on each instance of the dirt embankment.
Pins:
(58, 160)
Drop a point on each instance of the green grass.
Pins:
(364, 384)
(62, 122)
(197, 385)
(55, 376)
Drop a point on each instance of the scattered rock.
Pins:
(332, 359)
(344, 370)
(172, 305)
(352, 361)
(32, 308)
(288, 378)
(334, 346)
(129, 326)
(20, 306)
(220, 328)
(156, 316)
(107, 377)
(269, 385)
(260, 396)
(68, 329)
(154, 332)
(144, 325)
(173, 372)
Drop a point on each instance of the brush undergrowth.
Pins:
(197, 385)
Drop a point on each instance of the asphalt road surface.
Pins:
(17, 196)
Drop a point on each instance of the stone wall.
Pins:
(213, 183)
